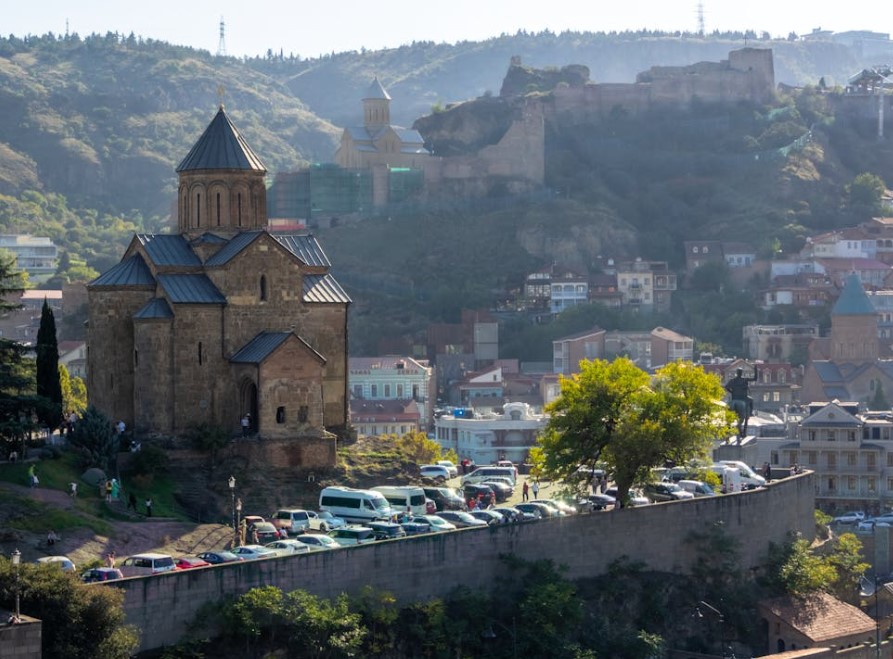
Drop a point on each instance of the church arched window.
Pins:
(201, 355)
(198, 209)
(218, 209)
(263, 288)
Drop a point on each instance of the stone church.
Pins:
(225, 318)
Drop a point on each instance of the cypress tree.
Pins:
(48, 384)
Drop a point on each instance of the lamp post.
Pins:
(721, 618)
(16, 560)
(232, 494)
(239, 519)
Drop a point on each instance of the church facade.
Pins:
(225, 319)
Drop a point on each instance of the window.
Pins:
(280, 414)
(832, 484)
(400, 391)
(263, 288)
(810, 457)
(872, 484)
(136, 363)
(198, 210)
(776, 396)
(890, 485)
(832, 460)
(851, 436)
(851, 459)
(358, 391)
(374, 390)
(695, 249)
(871, 460)
(387, 391)
(200, 355)
(303, 413)
(218, 209)
(240, 208)
(851, 483)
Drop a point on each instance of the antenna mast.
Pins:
(221, 43)
(701, 19)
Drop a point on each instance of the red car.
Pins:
(189, 562)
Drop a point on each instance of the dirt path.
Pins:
(127, 537)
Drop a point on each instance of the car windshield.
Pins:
(380, 503)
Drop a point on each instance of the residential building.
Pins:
(646, 285)
(391, 378)
(567, 289)
(803, 289)
(776, 388)
(778, 343)
(37, 255)
(569, 351)
(386, 417)
(669, 346)
(632, 344)
(23, 323)
(73, 356)
(486, 438)
(847, 243)
(224, 319)
(701, 252)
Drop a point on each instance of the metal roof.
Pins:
(132, 271)
(323, 288)
(264, 344)
(211, 238)
(853, 301)
(827, 371)
(238, 242)
(157, 307)
(191, 289)
(305, 246)
(221, 146)
(409, 136)
(168, 249)
(376, 90)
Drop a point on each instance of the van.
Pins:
(748, 476)
(292, 520)
(404, 497)
(730, 477)
(140, 565)
(484, 473)
(355, 505)
(698, 488)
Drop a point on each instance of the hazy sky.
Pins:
(312, 28)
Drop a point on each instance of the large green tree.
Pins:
(48, 384)
(617, 414)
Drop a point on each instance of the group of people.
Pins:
(527, 488)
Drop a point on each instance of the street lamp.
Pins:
(720, 617)
(232, 494)
(16, 560)
(239, 519)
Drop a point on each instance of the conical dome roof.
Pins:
(853, 301)
(221, 146)
(376, 91)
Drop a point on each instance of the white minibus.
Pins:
(403, 497)
(355, 505)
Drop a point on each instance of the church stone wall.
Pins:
(110, 349)
(291, 362)
(201, 390)
(153, 371)
(221, 199)
(326, 330)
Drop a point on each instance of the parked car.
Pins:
(636, 498)
(220, 557)
(553, 508)
(325, 521)
(601, 501)
(190, 562)
(538, 511)
(387, 530)
(502, 491)
(288, 547)
(451, 468)
(513, 515)
(148, 563)
(253, 552)
(352, 535)
(561, 506)
(415, 527)
(265, 532)
(317, 541)
(697, 488)
(490, 516)
(435, 473)
(852, 517)
(666, 491)
(63, 562)
(99, 574)
(461, 519)
(508, 463)
(869, 524)
(480, 493)
(445, 498)
(292, 520)
(434, 522)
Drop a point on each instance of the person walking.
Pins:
(73, 490)
(116, 489)
(110, 559)
(525, 492)
(148, 506)
(246, 424)
(536, 489)
(108, 491)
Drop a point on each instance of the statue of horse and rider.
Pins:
(739, 400)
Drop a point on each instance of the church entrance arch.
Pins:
(248, 403)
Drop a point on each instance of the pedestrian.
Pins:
(254, 537)
(767, 472)
(73, 490)
(246, 424)
(116, 489)
(536, 489)
(110, 559)
(148, 507)
(51, 538)
(121, 427)
(131, 502)
(471, 503)
(108, 491)
(13, 456)
(525, 492)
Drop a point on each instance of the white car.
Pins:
(453, 469)
(251, 552)
(869, 524)
(853, 517)
(288, 547)
(434, 522)
(317, 541)
(325, 521)
(434, 472)
(65, 563)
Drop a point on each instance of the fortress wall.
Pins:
(423, 567)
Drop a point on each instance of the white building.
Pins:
(486, 438)
(392, 378)
(36, 255)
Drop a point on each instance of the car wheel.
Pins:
(324, 528)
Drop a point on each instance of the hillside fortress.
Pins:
(223, 321)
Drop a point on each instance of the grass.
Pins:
(38, 517)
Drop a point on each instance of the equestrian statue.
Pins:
(739, 400)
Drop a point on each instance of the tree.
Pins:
(865, 194)
(74, 392)
(48, 384)
(417, 448)
(879, 400)
(95, 440)
(616, 413)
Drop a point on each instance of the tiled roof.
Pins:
(191, 289)
(324, 289)
(305, 246)
(221, 146)
(383, 362)
(853, 301)
(821, 617)
(238, 242)
(168, 249)
(132, 271)
(157, 307)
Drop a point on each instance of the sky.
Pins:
(318, 27)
